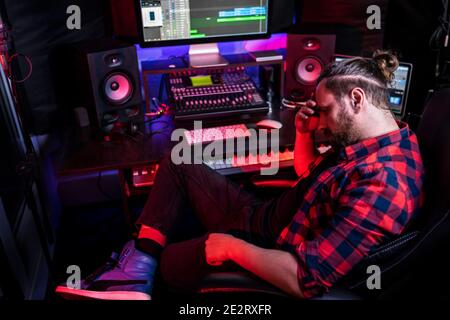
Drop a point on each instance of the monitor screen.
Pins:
(398, 89)
(174, 20)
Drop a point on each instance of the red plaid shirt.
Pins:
(368, 197)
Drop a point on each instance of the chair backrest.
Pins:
(416, 255)
(434, 140)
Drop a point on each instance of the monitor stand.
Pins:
(206, 55)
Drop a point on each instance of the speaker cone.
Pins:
(118, 88)
(308, 70)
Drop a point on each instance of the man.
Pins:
(349, 201)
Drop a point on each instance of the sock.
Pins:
(149, 247)
(150, 241)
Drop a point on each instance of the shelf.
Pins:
(178, 64)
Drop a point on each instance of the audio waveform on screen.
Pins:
(242, 14)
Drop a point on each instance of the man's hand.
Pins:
(305, 122)
(275, 266)
(217, 248)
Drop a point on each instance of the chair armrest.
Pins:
(276, 183)
(235, 282)
(245, 282)
(282, 180)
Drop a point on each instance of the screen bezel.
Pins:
(165, 43)
(403, 64)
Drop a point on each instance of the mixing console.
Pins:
(211, 93)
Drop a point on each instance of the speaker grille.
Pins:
(306, 57)
(118, 88)
(308, 70)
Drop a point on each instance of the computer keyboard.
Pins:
(252, 162)
(206, 135)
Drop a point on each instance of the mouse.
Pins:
(269, 124)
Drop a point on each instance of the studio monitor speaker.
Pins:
(306, 57)
(103, 77)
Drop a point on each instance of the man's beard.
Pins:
(345, 133)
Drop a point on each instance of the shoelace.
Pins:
(123, 257)
(109, 265)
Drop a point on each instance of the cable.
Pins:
(292, 104)
(182, 57)
(440, 37)
(30, 67)
(161, 109)
(160, 130)
(161, 87)
(164, 122)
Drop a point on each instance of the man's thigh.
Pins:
(217, 201)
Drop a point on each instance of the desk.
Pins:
(82, 153)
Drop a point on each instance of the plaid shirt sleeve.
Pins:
(375, 205)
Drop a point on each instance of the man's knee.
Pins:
(167, 163)
(183, 169)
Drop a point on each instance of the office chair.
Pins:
(400, 257)
(422, 269)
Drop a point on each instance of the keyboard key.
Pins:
(252, 163)
(206, 135)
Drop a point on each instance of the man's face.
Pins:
(336, 117)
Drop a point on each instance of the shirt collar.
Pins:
(371, 145)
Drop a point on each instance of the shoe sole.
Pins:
(79, 294)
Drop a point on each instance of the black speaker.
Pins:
(103, 77)
(306, 57)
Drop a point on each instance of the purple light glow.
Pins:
(276, 41)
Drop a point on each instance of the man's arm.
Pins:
(305, 151)
(372, 209)
(274, 266)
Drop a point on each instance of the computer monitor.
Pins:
(172, 22)
(398, 89)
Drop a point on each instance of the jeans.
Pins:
(220, 206)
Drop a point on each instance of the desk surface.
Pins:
(81, 153)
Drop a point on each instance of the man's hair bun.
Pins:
(387, 64)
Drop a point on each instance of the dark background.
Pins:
(38, 26)
(88, 233)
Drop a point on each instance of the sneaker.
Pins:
(126, 277)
